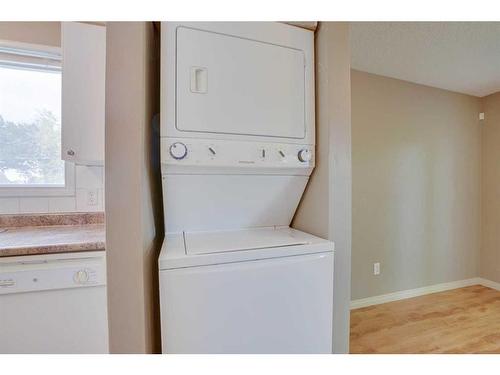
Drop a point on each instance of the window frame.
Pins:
(39, 190)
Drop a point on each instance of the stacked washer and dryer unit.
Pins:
(237, 150)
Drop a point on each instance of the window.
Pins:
(30, 122)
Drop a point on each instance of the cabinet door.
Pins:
(83, 92)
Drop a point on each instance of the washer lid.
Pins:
(194, 249)
(241, 240)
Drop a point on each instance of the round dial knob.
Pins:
(178, 150)
(81, 277)
(304, 155)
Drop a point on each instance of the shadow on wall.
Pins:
(155, 195)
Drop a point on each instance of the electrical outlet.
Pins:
(376, 268)
(92, 197)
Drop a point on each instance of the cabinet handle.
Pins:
(70, 152)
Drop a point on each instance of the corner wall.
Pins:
(416, 185)
(325, 209)
(490, 189)
(134, 224)
(46, 33)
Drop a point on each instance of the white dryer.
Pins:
(237, 150)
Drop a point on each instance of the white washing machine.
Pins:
(265, 290)
(237, 150)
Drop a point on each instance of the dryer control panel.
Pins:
(221, 153)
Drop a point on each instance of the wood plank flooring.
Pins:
(465, 320)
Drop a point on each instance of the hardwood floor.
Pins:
(465, 320)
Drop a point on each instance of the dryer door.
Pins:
(231, 85)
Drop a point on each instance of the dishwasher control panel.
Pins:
(7, 282)
(37, 276)
(86, 276)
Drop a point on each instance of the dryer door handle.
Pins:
(199, 81)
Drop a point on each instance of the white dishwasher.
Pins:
(54, 303)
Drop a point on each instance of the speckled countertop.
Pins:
(48, 234)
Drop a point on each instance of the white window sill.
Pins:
(14, 191)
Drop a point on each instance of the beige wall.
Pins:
(134, 227)
(47, 33)
(416, 185)
(325, 209)
(310, 25)
(490, 240)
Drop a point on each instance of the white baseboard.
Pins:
(396, 296)
(489, 283)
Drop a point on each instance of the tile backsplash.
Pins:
(88, 197)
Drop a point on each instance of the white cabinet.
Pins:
(83, 92)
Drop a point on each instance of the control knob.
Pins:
(81, 277)
(304, 155)
(178, 150)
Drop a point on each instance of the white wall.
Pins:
(86, 178)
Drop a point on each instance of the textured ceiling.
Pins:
(457, 56)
